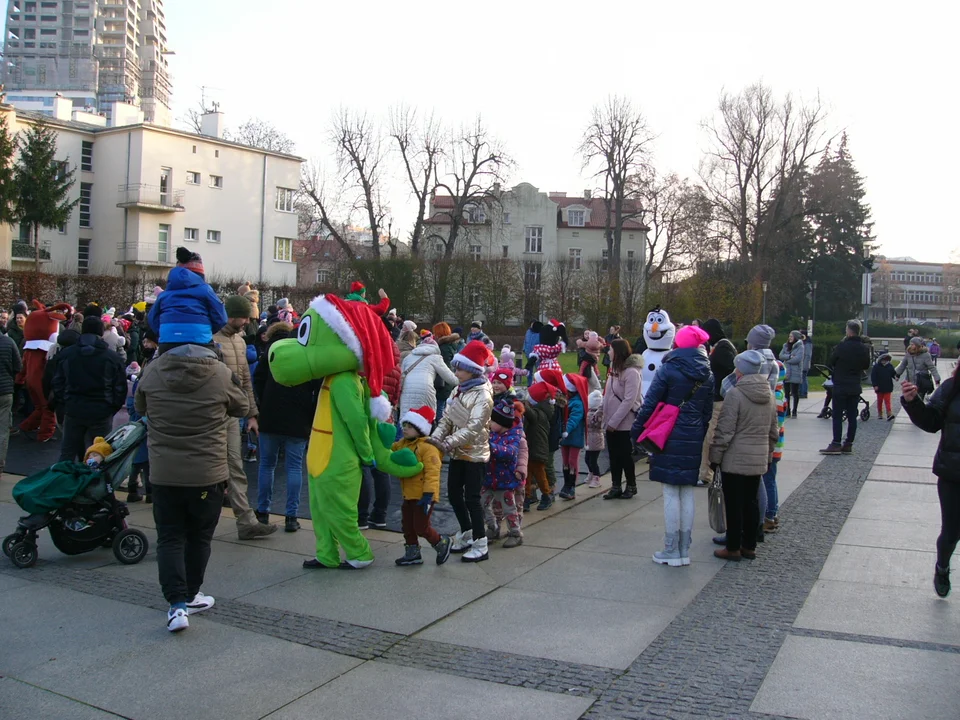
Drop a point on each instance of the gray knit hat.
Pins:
(748, 362)
(760, 337)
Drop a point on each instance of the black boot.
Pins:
(133, 494)
(411, 556)
(629, 492)
(567, 492)
(613, 493)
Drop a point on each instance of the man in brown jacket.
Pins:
(234, 351)
(186, 395)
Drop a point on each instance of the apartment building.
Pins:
(910, 291)
(143, 190)
(92, 52)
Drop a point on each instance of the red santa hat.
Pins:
(357, 287)
(421, 418)
(475, 358)
(577, 384)
(550, 376)
(361, 330)
(505, 377)
(541, 392)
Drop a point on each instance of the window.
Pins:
(29, 34)
(475, 251)
(86, 156)
(83, 257)
(191, 234)
(216, 153)
(576, 258)
(283, 249)
(86, 194)
(193, 178)
(474, 297)
(575, 233)
(285, 199)
(195, 150)
(48, 31)
(604, 259)
(30, 7)
(630, 261)
(575, 218)
(213, 236)
(62, 229)
(163, 243)
(506, 250)
(531, 276)
(81, 33)
(533, 240)
(476, 214)
(324, 277)
(506, 218)
(575, 297)
(216, 181)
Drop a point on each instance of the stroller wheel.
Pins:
(130, 546)
(8, 542)
(24, 554)
(865, 414)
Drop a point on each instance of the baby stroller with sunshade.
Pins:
(77, 504)
(827, 411)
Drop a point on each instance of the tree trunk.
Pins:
(36, 248)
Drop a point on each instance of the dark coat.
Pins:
(882, 376)
(941, 413)
(536, 426)
(286, 411)
(850, 359)
(721, 364)
(90, 383)
(9, 364)
(679, 463)
(65, 339)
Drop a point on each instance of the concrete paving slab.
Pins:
(20, 700)
(878, 508)
(901, 613)
(613, 510)
(616, 577)
(561, 531)
(11, 582)
(897, 460)
(616, 540)
(596, 632)
(233, 570)
(831, 679)
(896, 473)
(897, 492)
(879, 566)
(889, 534)
(401, 692)
(507, 565)
(383, 596)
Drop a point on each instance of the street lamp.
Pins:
(813, 310)
(764, 285)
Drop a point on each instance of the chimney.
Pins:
(62, 107)
(211, 124)
(555, 194)
(587, 194)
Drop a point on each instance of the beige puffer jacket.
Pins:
(234, 351)
(464, 429)
(747, 428)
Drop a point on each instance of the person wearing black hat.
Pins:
(90, 385)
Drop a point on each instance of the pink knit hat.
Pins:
(690, 336)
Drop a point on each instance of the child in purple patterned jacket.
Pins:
(503, 475)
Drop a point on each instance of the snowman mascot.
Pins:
(658, 332)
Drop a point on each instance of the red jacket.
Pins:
(391, 381)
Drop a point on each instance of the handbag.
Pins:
(659, 426)
(717, 508)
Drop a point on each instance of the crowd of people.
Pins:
(196, 369)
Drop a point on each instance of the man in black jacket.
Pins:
(851, 358)
(722, 352)
(9, 367)
(90, 385)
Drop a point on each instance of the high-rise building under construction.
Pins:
(94, 52)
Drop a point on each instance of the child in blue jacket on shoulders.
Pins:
(187, 311)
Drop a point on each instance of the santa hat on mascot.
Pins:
(360, 328)
(43, 325)
(553, 332)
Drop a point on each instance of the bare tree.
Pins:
(561, 286)
(760, 151)
(262, 134)
(360, 160)
(596, 302)
(616, 147)
(476, 165)
(420, 145)
(193, 120)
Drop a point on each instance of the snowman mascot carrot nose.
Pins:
(658, 333)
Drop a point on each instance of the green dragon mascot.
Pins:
(346, 343)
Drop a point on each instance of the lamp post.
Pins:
(950, 290)
(764, 285)
(813, 310)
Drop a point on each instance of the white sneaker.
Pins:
(594, 481)
(177, 620)
(462, 542)
(200, 603)
(477, 553)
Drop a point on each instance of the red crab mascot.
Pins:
(39, 335)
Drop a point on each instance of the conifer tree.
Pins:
(8, 185)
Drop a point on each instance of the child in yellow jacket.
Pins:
(420, 491)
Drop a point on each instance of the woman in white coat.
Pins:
(419, 371)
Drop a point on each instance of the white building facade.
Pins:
(910, 291)
(145, 190)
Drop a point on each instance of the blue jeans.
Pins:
(804, 385)
(770, 483)
(269, 454)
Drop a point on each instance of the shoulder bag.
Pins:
(923, 379)
(717, 506)
(657, 430)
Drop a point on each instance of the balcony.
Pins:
(150, 254)
(150, 198)
(26, 251)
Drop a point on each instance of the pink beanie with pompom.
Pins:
(690, 336)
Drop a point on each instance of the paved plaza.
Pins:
(836, 618)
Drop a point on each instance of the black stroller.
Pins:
(827, 411)
(77, 505)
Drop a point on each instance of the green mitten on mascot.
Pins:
(345, 343)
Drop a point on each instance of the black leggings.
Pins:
(592, 464)
(464, 482)
(949, 493)
(791, 390)
(620, 450)
(743, 511)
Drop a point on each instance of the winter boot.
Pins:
(262, 517)
(546, 500)
(443, 549)
(411, 556)
(133, 491)
(846, 448)
(832, 449)
(477, 553)
(941, 581)
(527, 503)
(567, 493)
(670, 555)
(685, 539)
(493, 531)
(613, 493)
(462, 542)
(513, 541)
(724, 554)
(291, 524)
(630, 491)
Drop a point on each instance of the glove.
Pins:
(426, 503)
(565, 435)
(714, 466)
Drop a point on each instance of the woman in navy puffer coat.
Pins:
(678, 466)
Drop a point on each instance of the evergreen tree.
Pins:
(8, 184)
(841, 232)
(43, 184)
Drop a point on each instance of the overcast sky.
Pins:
(533, 70)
